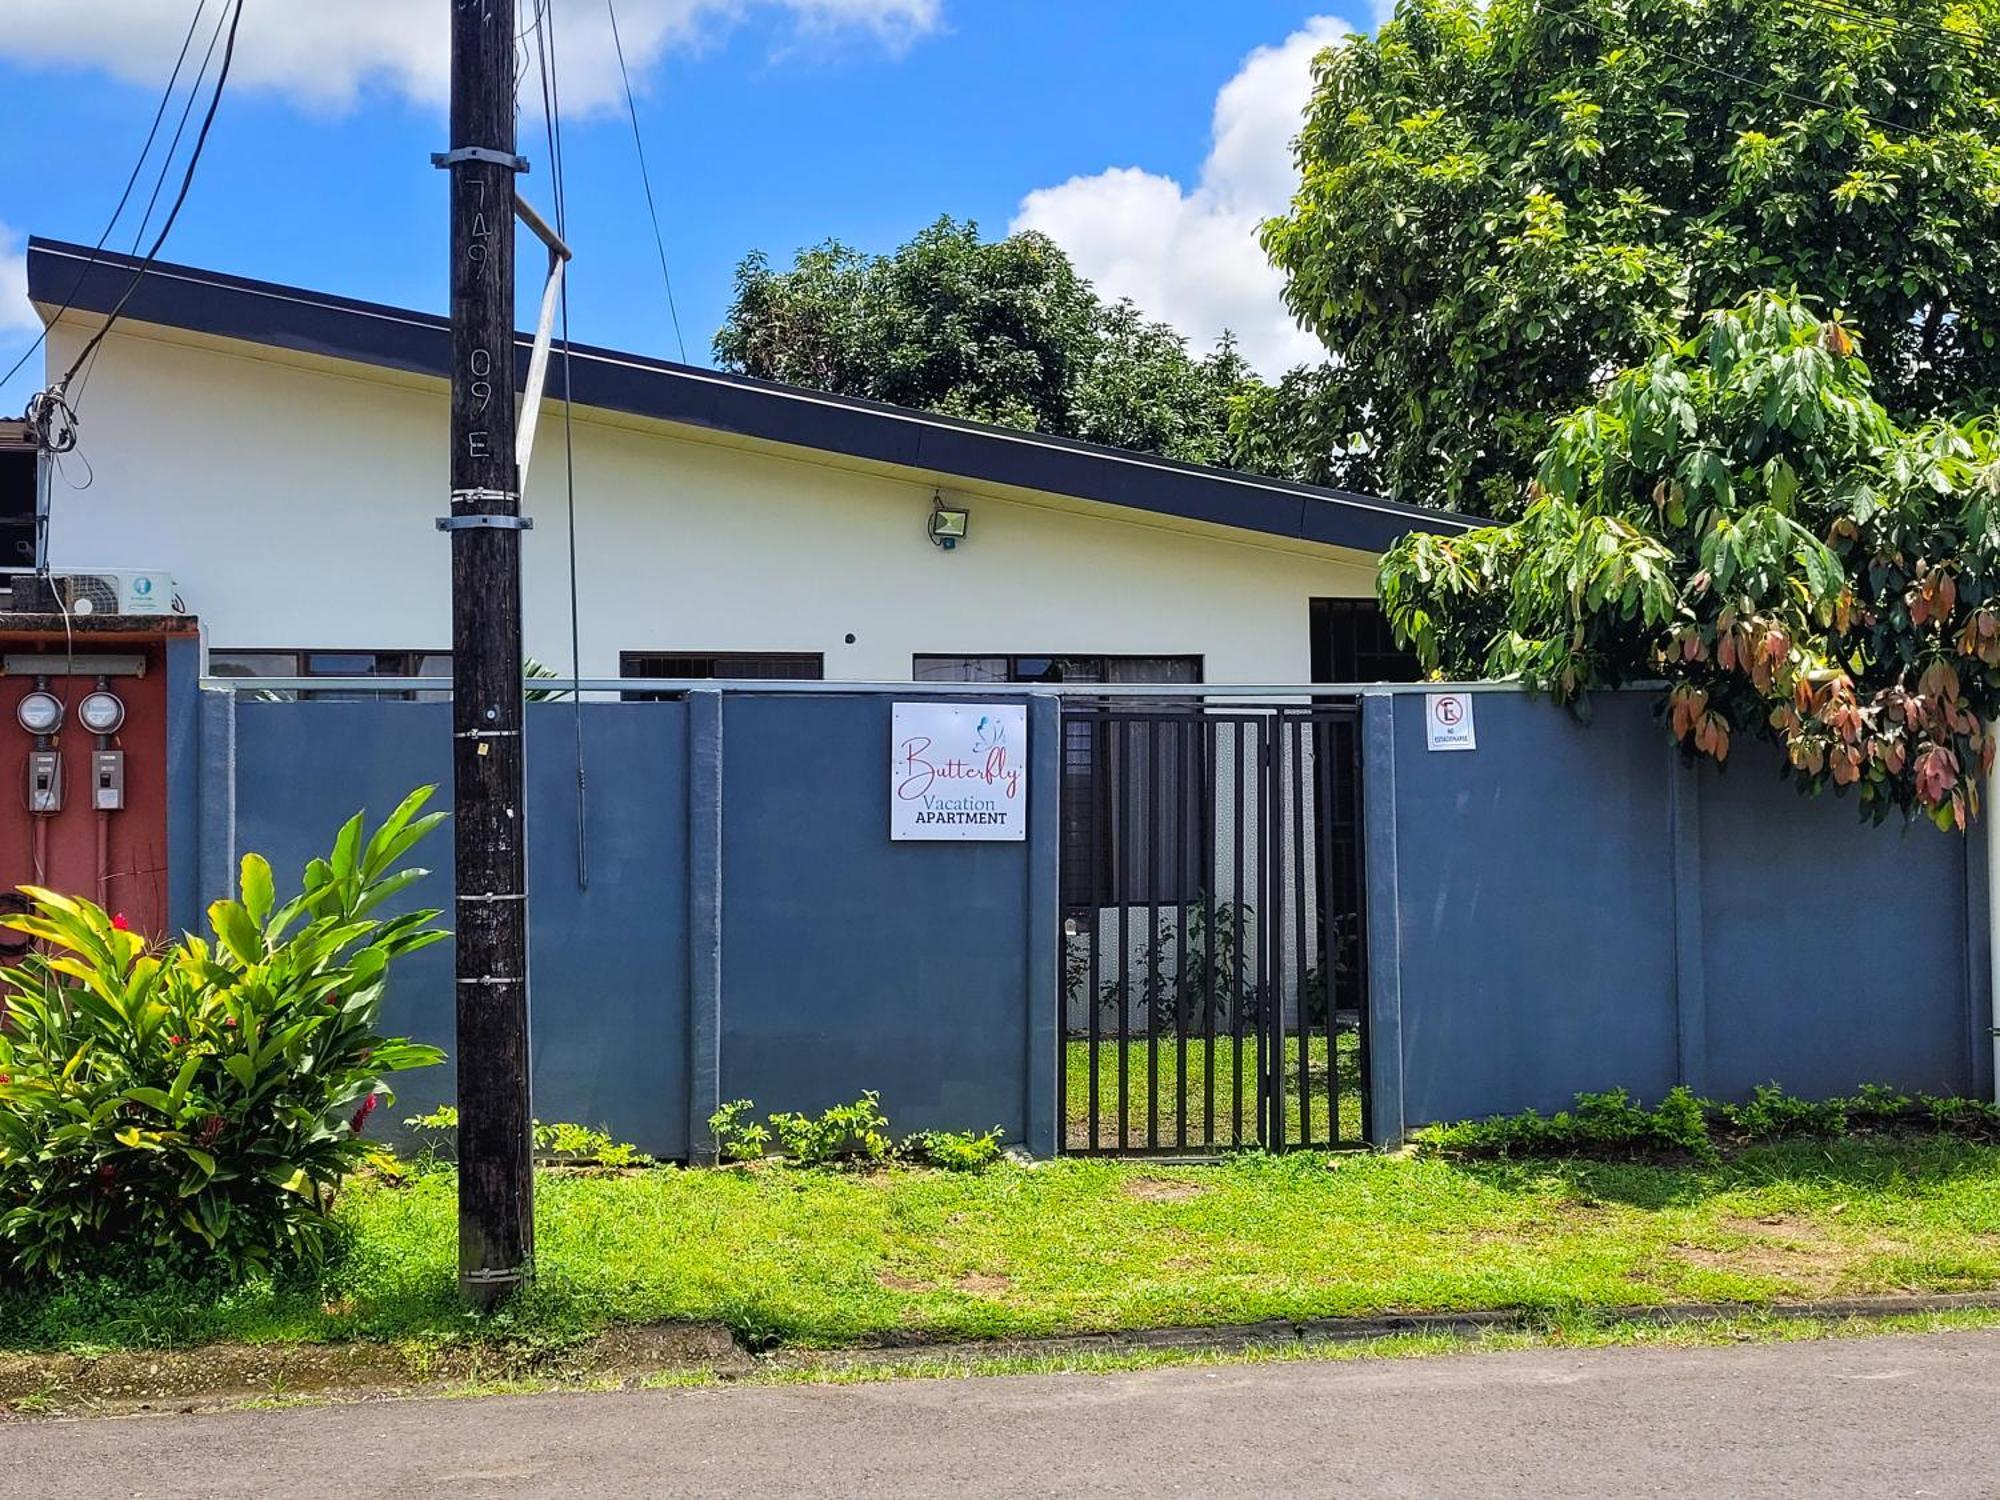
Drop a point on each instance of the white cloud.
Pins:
(1191, 256)
(327, 52)
(16, 315)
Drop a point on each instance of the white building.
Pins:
(281, 453)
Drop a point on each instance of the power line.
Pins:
(180, 198)
(180, 129)
(552, 121)
(646, 179)
(1735, 77)
(1857, 12)
(132, 181)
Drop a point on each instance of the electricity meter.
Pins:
(101, 712)
(40, 712)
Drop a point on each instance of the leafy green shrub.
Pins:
(203, 1102)
(1878, 1104)
(737, 1136)
(1606, 1123)
(953, 1150)
(436, 1135)
(846, 1132)
(580, 1145)
(1610, 1123)
(1772, 1112)
(563, 1143)
(1975, 1118)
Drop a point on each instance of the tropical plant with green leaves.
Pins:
(1740, 517)
(204, 1100)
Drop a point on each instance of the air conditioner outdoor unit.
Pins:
(98, 592)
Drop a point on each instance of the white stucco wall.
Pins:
(293, 501)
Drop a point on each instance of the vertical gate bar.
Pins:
(1121, 874)
(1153, 955)
(1241, 897)
(1357, 855)
(1272, 997)
(1301, 868)
(1100, 778)
(1183, 788)
(1331, 900)
(1209, 859)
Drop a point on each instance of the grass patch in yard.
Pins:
(825, 1258)
(1219, 1073)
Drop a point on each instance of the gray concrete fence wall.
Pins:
(745, 927)
(1567, 907)
(1573, 907)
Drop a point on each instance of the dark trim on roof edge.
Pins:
(308, 322)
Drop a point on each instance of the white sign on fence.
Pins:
(958, 771)
(1448, 721)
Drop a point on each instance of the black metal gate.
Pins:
(1214, 960)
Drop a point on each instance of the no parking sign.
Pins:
(1448, 721)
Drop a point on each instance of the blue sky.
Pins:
(1146, 135)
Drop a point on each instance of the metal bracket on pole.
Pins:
(458, 154)
(508, 1277)
(527, 214)
(478, 522)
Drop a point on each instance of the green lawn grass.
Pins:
(1212, 1116)
(825, 1258)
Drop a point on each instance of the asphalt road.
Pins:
(1903, 1417)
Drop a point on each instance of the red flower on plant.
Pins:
(174, 1041)
(361, 1115)
(229, 1022)
(119, 924)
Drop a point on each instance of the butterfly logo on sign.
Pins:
(988, 734)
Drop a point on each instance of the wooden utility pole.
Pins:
(496, 1232)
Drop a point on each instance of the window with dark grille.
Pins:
(719, 666)
(1133, 814)
(253, 663)
(18, 470)
(1352, 642)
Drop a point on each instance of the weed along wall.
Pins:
(1570, 907)
(745, 927)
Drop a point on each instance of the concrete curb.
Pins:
(130, 1381)
(1279, 1333)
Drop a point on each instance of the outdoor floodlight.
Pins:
(948, 523)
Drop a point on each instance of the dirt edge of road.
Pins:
(124, 1382)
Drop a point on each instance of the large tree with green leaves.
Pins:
(1741, 517)
(999, 331)
(1499, 205)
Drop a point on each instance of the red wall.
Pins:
(132, 875)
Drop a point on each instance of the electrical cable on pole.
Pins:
(552, 123)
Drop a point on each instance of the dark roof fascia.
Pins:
(307, 322)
